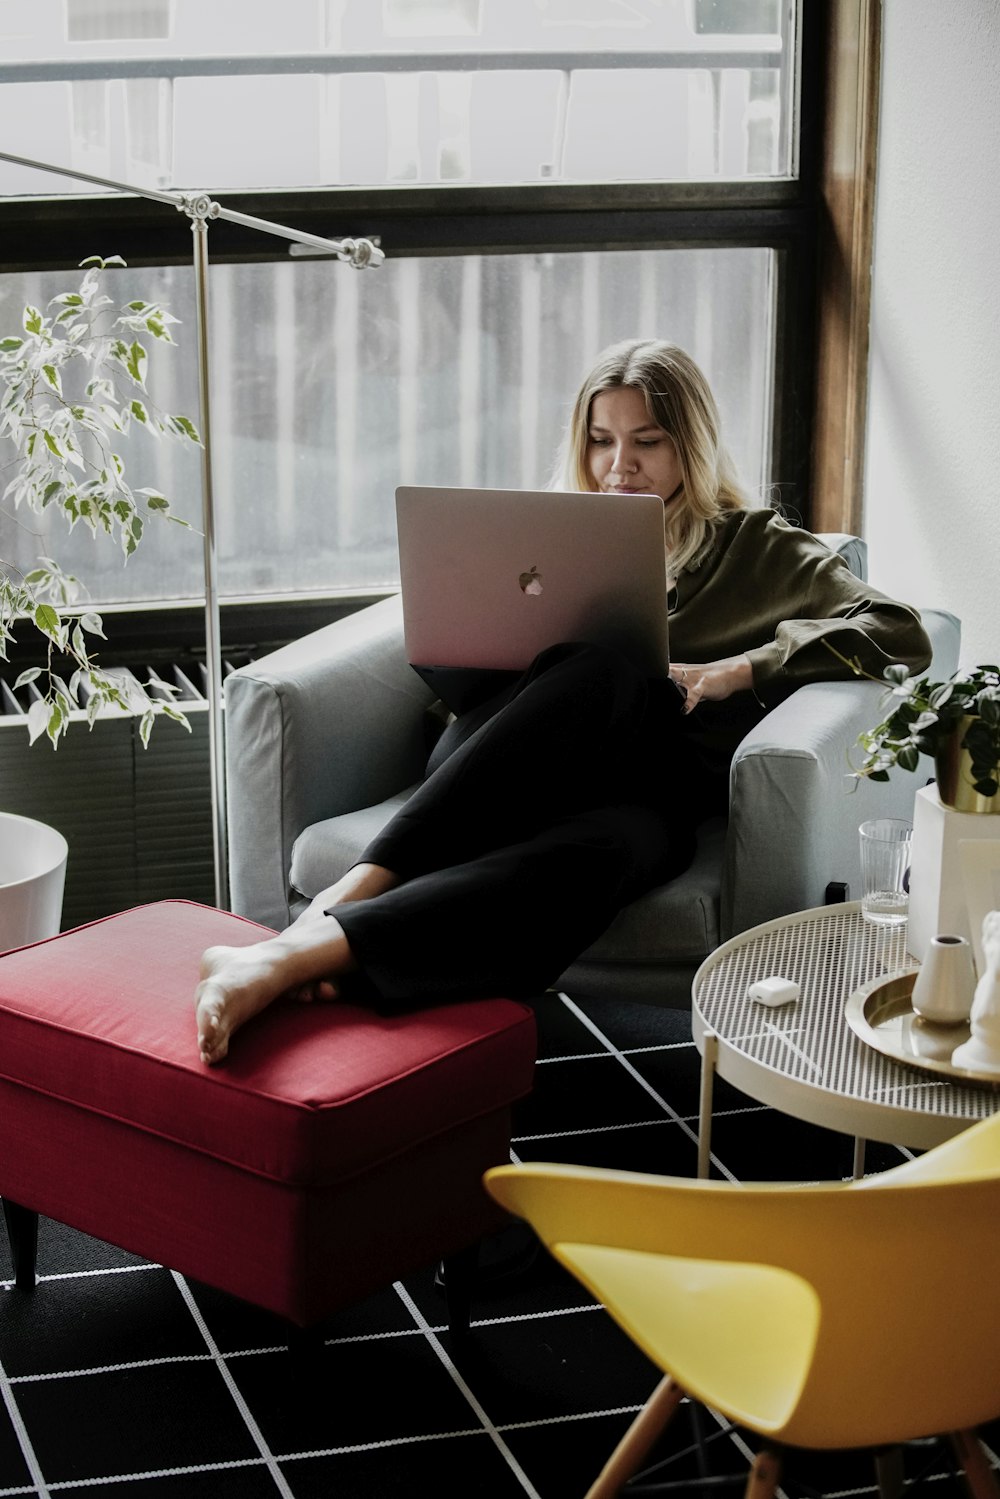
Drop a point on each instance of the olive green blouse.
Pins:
(776, 593)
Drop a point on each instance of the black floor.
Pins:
(120, 1378)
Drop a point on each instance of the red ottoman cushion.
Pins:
(321, 1112)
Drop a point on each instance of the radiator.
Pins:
(138, 821)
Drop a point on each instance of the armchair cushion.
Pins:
(337, 842)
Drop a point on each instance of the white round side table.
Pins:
(803, 1058)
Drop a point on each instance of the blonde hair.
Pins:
(679, 399)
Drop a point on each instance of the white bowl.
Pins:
(32, 875)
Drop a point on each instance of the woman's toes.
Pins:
(213, 1035)
(321, 989)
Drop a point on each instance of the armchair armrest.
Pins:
(794, 812)
(327, 725)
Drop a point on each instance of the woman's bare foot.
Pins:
(237, 983)
(361, 882)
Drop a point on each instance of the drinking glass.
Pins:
(885, 870)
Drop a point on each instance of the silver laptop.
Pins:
(490, 577)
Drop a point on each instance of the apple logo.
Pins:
(531, 582)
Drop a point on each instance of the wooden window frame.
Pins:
(852, 50)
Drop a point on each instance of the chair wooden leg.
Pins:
(889, 1474)
(648, 1425)
(979, 1476)
(764, 1475)
(22, 1232)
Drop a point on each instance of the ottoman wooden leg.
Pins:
(22, 1232)
(458, 1274)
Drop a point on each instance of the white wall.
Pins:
(932, 473)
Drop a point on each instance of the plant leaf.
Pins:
(185, 427)
(135, 363)
(38, 719)
(47, 620)
(56, 724)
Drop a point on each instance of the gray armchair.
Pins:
(325, 738)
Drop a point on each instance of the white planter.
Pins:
(937, 889)
(32, 874)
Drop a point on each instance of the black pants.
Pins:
(543, 812)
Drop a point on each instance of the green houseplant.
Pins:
(73, 378)
(956, 722)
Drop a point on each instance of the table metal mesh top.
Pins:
(828, 956)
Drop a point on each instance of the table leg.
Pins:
(858, 1169)
(709, 1054)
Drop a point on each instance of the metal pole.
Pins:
(213, 631)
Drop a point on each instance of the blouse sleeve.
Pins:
(815, 602)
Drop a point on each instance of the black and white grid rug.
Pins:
(122, 1379)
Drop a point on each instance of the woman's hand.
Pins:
(712, 681)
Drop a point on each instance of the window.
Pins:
(447, 370)
(520, 239)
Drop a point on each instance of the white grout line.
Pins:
(555, 1311)
(8, 1285)
(108, 1478)
(638, 1077)
(609, 1129)
(378, 1446)
(24, 1441)
(234, 1390)
(476, 1431)
(596, 1129)
(138, 1363)
(628, 1051)
(463, 1387)
(614, 1410)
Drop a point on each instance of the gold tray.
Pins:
(880, 1013)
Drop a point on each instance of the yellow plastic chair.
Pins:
(852, 1314)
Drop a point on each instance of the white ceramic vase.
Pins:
(32, 876)
(946, 981)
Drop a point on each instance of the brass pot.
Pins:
(953, 769)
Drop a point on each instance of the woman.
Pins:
(578, 785)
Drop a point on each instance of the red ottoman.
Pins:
(332, 1152)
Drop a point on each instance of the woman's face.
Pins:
(627, 453)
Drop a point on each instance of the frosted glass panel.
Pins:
(330, 388)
